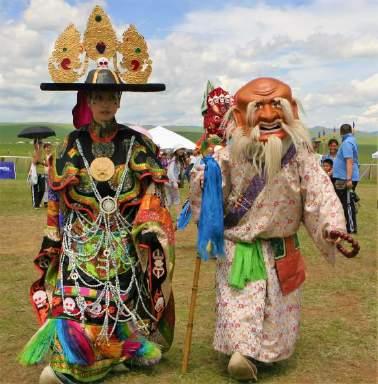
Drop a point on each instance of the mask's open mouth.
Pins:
(274, 127)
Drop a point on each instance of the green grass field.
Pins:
(339, 319)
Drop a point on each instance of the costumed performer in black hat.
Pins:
(103, 298)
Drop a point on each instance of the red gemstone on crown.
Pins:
(135, 65)
(66, 63)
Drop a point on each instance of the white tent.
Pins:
(142, 130)
(374, 155)
(167, 139)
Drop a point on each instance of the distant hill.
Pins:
(335, 131)
(9, 131)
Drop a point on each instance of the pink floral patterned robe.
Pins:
(259, 321)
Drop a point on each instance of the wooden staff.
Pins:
(189, 327)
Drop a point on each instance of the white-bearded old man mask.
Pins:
(263, 123)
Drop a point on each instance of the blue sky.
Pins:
(327, 50)
(155, 17)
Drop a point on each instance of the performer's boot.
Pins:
(48, 376)
(120, 368)
(241, 368)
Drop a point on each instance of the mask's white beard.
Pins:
(273, 156)
(265, 157)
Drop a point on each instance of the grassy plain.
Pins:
(339, 318)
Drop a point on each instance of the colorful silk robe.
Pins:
(144, 256)
(260, 320)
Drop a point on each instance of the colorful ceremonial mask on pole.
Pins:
(216, 102)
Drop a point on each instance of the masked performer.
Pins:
(271, 182)
(106, 267)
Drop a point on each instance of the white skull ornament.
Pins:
(40, 298)
(69, 304)
(96, 309)
(103, 62)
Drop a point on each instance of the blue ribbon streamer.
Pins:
(185, 216)
(210, 242)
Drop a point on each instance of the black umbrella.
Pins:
(36, 132)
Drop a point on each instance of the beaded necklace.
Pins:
(108, 242)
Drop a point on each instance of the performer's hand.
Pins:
(337, 237)
(199, 167)
(201, 180)
(159, 306)
(349, 184)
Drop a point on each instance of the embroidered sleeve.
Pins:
(64, 166)
(322, 210)
(52, 230)
(47, 260)
(154, 237)
(145, 162)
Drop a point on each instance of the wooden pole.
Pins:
(189, 327)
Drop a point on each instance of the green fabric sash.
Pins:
(248, 264)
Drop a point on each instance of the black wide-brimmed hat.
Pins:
(103, 79)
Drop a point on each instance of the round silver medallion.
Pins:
(108, 205)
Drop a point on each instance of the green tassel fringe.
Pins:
(149, 351)
(39, 345)
(123, 331)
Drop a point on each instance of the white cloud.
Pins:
(326, 51)
(372, 111)
(369, 117)
(55, 15)
(367, 87)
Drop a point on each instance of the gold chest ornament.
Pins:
(102, 169)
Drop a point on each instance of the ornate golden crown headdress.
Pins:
(67, 63)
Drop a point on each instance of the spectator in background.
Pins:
(47, 148)
(316, 146)
(195, 155)
(38, 160)
(346, 175)
(175, 173)
(333, 146)
(164, 159)
(327, 165)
